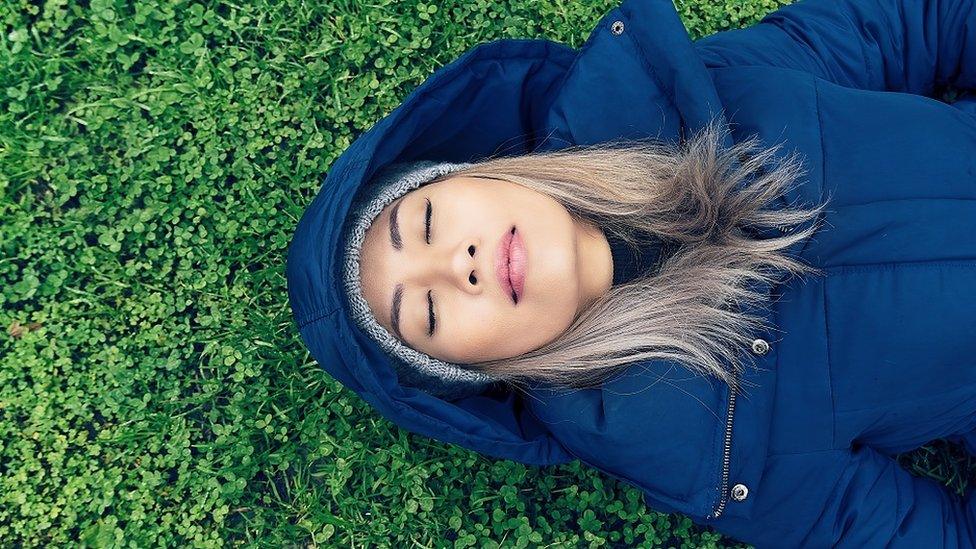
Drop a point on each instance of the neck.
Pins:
(595, 264)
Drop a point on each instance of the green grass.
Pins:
(154, 162)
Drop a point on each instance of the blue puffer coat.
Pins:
(874, 358)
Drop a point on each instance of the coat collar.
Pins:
(637, 75)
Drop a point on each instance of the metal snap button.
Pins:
(760, 347)
(740, 492)
(617, 27)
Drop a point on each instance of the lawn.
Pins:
(155, 158)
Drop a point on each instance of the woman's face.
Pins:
(567, 265)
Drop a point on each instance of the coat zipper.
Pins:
(723, 499)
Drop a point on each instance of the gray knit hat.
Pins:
(415, 368)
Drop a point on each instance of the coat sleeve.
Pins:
(853, 498)
(913, 46)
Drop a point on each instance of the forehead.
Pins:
(450, 181)
(376, 257)
(459, 180)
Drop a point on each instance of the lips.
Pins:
(510, 262)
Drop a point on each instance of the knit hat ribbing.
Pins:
(415, 368)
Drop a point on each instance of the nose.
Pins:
(465, 267)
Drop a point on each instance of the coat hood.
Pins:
(511, 95)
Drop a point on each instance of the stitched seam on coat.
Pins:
(852, 269)
(912, 199)
(830, 377)
(316, 315)
(801, 452)
(867, 62)
(823, 285)
(963, 389)
(823, 158)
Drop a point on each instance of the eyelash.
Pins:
(430, 308)
(432, 321)
(427, 221)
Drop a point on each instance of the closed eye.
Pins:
(432, 322)
(427, 221)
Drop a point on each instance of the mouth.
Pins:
(510, 262)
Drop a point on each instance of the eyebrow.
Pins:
(395, 311)
(395, 226)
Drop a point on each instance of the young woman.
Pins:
(547, 254)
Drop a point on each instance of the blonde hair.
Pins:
(681, 194)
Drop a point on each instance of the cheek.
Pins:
(551, 252)
(552, 278)
(550, 315)
(485, 331)
(479, 331)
